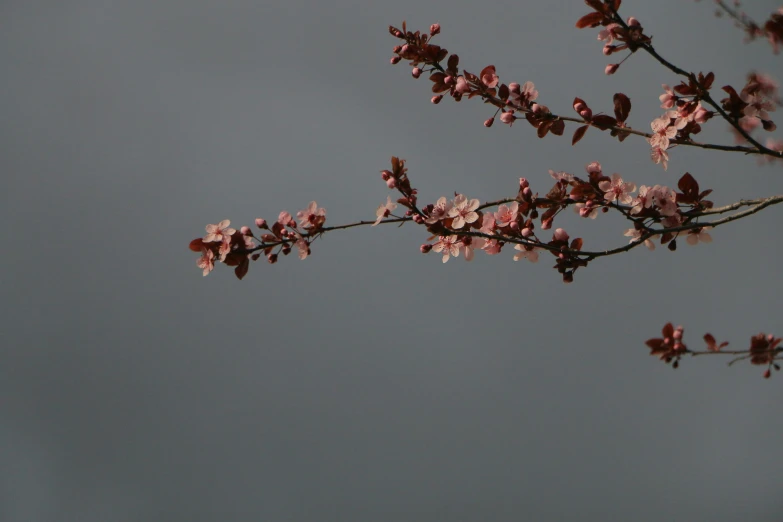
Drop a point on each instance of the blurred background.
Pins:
(368, 382)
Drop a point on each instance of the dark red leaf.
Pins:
(622, 106)
(196, 245)
(241, 270)
(590, 20)
(579, 134)
(603, 122)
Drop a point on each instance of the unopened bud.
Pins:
(386, 174)
(395, 59)
(416, 72)
(286, 250)
(261, 223)
(425, 248)
(448, 80)
(560, 235)
(514, 226)
(272, 258)
(611, 68)
(507, 117)
(488, 122)
(514, 88)
(633, 22)
(609, 49)
(527, 192)
(391, 183)
(527, 232)
(418, 219)
(436, 99)
(434, 29)
(246, 231)
(523, 183)
(255, 257)
(397, 49)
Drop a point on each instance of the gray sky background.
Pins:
(368, 382)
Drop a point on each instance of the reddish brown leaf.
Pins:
(241, 270)
(622, 106)
(590, 20)
(576, 244)
(196, 245)
(579, 134)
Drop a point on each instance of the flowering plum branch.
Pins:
(462, 225)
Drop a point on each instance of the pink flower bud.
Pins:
(448, 80)
(546, 224)
(418, 219)
(523, 183)
(507, 117)
(609, 49)
(405, 49)
(261, 223)
(386, 174)
(527, 192)
(633, 22)
(395, 60)
(391, 183)
(611, 68)
(584, 212)
(434, 29)
(246, 231)
(425, 248)
(488, 122)
(560, 235)
(397, 49)
(514, 88)
(255, 257)
(416, 72)
(436, 99)
(527, 232)
(272, 258)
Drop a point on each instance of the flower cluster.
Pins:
(764, 349)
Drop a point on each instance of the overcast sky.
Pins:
(368, 382)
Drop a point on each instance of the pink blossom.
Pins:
(506, 214)
(531, 255)
(529, 92)
(758, 106)
(561, 176)
(617, 189)
(665, 199)
(225, 248)
(489, 78)
(217, 232)
(698, 235)
(636, 235)
(463, 211)
(469, 244)
(560, 235)
(508, 117)
(590, 168)
(643, 200)
(491, 247)
(302, 246)
(658, 155)
(675, 220)
(488, 224)
(608, 33)
(611, 68)
(462, 86)
(447, 245)
(206, 261)
(383, 211)
(668, 98)
(587, 210)
(662, 132)
(309, 216)
(434, 29)
(285, 219)
(440, 211)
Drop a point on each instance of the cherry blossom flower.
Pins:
(698, 235)
(643, 200)
(491, 247)
(439, 212)
(506, 214)
(206, 261)
(447, 245)
(758, 105)
(285, 219)
(529, 92)
(488, 223)
(662, 132)
(659, 155)
(587, 210)
(225, 248)
(561, 176)
(302, 246)
(508, 117)
(636, 235)
(489, 78)
(383, 211)
(531, 255)
(668, 98)
(469, 244)
(308, 218)
(608, 33)
(590, 168)
(217, 232)
(675, 220)
(665, 199)
(617, 189)
(463, 211)
(462, 86)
